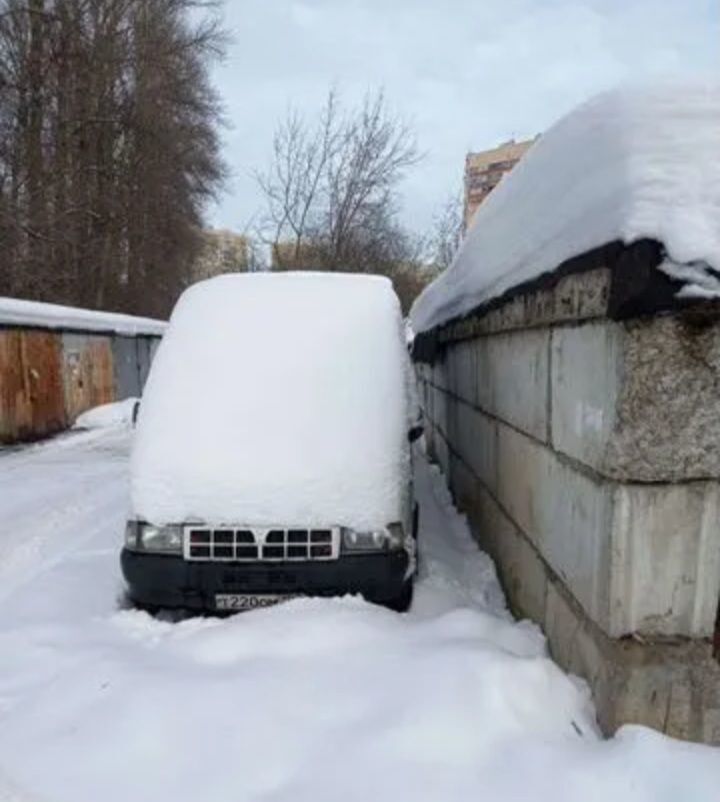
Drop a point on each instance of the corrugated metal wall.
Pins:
(145, 355)
(47, 378)
(125, 365)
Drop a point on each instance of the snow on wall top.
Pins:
(276, 399)
(626, 165)
(16, 312)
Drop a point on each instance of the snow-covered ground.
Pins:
(116, 413)
(311, 700)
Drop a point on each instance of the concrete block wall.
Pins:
(586, 454)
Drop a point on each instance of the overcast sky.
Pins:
(466, 74)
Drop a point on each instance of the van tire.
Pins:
(415, 534)
(150, 609)
(401, 603)
(126, 602)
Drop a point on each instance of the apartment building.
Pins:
(483, 171)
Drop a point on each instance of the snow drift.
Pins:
(116, 413)
(17, 312)
(316, 700)
(276, 399)
(627, 165)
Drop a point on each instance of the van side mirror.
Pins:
(415, 433)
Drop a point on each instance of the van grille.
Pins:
(260, 544)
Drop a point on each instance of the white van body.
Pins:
(277, 403)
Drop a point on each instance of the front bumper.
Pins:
(161, 580)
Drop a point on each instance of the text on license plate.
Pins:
(244, 601)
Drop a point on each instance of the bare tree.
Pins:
(331, 187)
(332, 194)
(108, 148)
(446, 234)
(295, 182)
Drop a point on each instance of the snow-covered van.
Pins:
(272, 455)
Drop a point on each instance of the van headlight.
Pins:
(389, 538)
(147, 537)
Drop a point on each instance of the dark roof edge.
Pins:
(637, 289)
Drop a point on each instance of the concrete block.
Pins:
(465, 369)
(422, 371)
(451, 372)
(665, 573)
(710, 732)
(523, 574)
(430, 435)
(462, 484)
(439, 373)
(578, 296)
(515, 371)
(483, 377)
(426, 398)
(673, 687)
(561, 625)
(476, 442)
(586, 377)
(442, 452)
(439, 410)
(668, 407)
(460, 370)
(577, 645)
(493, 529)
(520, 569)
(451, 412)
(564, 513)
(638, 402)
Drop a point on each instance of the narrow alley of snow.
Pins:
(308, 700)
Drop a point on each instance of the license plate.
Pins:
(244, 601)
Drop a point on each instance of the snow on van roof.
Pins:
(18, 312)
(276, 399)
(627, 165)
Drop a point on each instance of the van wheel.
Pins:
(150, 609)
(126, 602)
(415, 533)
(401, 603)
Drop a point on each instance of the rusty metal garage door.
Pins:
(31, 390)
(88, 372)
